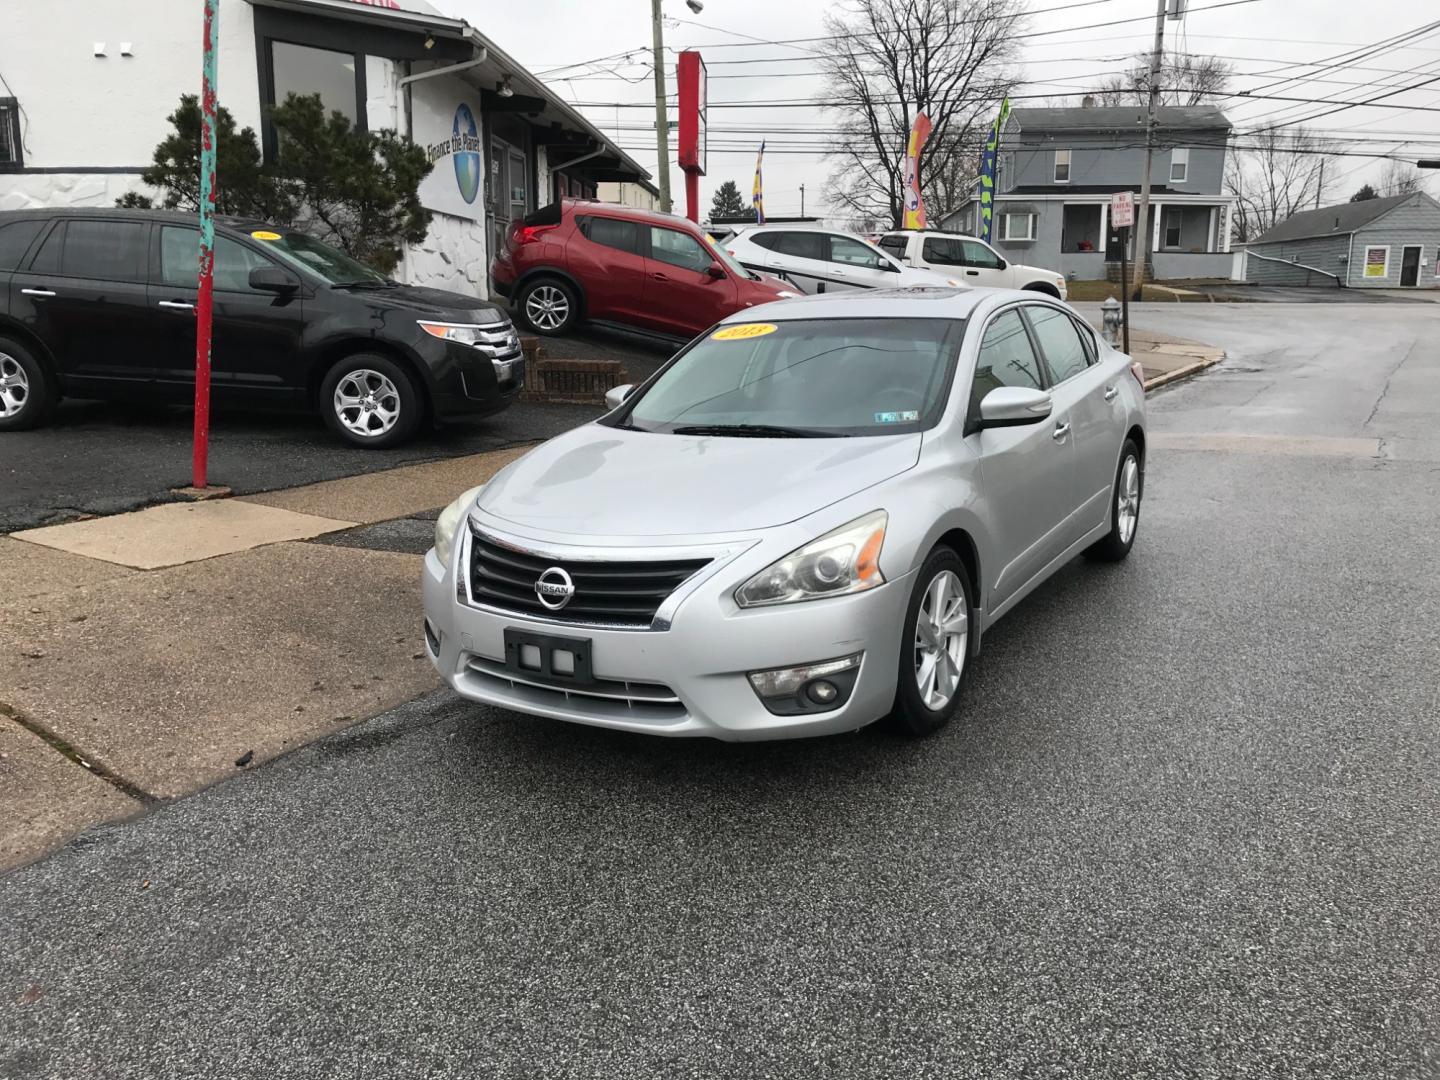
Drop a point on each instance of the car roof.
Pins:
(178, 217)
(792, 226)
(628, 213)
(916, 303)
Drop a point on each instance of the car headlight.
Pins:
(846, 560)
(464, 333)
(786, 294)
(449, 521)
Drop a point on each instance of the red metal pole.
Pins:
(692, 196)
(205, 306)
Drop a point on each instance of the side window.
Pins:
(767, 240)
(802, 245)
(107, 250)
(850, 252)
(180, 256)
(977, 254)
(1087, 339)
(897, 244)
(678, 249)
(944, 251)
(1006, 359)
(1059, 338)
(612, 233)
(15, 239)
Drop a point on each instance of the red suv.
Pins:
(579, 259)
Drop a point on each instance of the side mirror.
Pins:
(272, 279)
(894, 268)
(1012, 406)
(615, 396)
(715, 271)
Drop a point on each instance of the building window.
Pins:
(1179, 165)
(1172, 228)
(1377, 262)
(1062, 166)
(304, 69)
(12, 153)
(1017, 226)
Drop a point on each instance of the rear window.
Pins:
(15, 240)
(801, 245)
(105, 250)
(896, 244)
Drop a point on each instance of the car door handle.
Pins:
(1061, 430)
(177, 305)
(838, 273)
(660, 277)
(972, 273)
(37, 292)
(1110, 393)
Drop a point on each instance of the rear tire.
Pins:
(1124, 507)
(549, 306)
(28, 392)
(934, 646)
(370, 401)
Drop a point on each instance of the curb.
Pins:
(1181, 373)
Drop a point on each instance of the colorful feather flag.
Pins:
(987, 172)
(757, 192)
(914, 202)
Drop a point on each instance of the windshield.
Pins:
(333, 265)
(804, 377)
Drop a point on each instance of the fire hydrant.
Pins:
(1110, 313)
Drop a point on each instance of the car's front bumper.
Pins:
(690, 679)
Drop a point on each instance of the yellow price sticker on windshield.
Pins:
(263, 235)
(744, 331)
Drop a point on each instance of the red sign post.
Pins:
(691, 77)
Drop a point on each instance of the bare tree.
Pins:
(1400, 178)
(892, 59)
(1185, 79)
(1279, 174)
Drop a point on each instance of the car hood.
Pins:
(604, 481)
(423, 301)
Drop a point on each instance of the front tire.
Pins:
(28, 393)
(370, 401)
(1124, 507)
(549, 306)
(934, 646)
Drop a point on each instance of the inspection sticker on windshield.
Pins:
(907, 417)
(743, 331)
(263, 235)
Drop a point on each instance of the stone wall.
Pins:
(452, 256)
(33, 191)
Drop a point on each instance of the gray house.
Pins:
(1059, 167)
(1378, 243)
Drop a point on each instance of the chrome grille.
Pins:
(620, 593)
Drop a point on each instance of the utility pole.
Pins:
(1320, 187)
(662, 120)
(802, 200)
(1142, 222)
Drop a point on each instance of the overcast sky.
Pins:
(1255, 36)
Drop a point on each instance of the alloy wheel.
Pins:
(942, 632)
(14, 386)
(367, 402)
(1127, 499)
(547, 307)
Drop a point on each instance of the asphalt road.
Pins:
(1187, 826)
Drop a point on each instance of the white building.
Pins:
(88, 85)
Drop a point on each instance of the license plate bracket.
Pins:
(545, 657)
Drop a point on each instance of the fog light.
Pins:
(822, 692)
(817, 687)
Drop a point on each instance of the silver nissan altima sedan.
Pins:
(806, 521)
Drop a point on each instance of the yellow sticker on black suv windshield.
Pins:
(263, 235)
(743, 331)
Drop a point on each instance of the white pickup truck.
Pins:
(973, 261)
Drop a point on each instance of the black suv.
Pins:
(101, 304)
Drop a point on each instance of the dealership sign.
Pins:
(446, 118)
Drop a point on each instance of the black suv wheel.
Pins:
(370, 401)
(27, 391)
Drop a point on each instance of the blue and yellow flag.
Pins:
(757, 192)
(987, 172)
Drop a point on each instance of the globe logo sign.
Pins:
(465, 146)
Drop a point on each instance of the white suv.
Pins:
(817, 260)
(972, 260)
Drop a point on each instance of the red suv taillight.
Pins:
(522, 234)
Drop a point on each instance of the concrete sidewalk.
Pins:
(148, 654)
